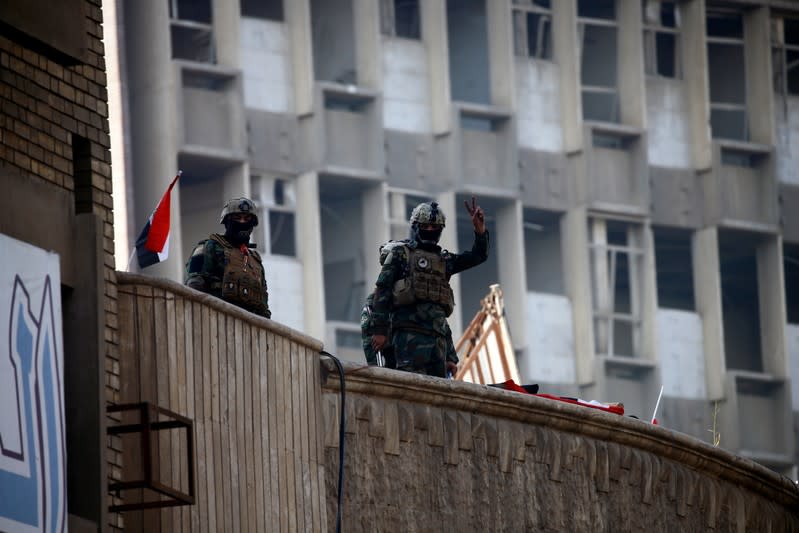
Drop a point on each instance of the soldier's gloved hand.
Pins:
(196, 283)
(477, 216)
(452, 367)
(378, 341)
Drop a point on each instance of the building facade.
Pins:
(59, 361)
(636, 159)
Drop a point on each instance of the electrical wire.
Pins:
(342, 425)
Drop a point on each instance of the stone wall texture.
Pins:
(422, 454)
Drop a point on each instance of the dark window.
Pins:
(597, 9)
(282, 234)
(192, 44)
(407, 21)
(790, 257)
(728, 25)
(194, 10)
(262, 9)
(82, 173)
(674, 269)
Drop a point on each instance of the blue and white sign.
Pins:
(32, 441)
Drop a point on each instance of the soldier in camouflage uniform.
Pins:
(412, 297)
(226, 266)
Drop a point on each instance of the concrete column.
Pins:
(298, 21)
(375, 229)
(309, 235)
(368, 43)
(501, 58)
(434, 35)
(508, 244)
(707, 290)
(759, 91)
(600, 274)
(630, 60)
(236, 182)
(649, 300)
(449, 241)
(576, 259)
(773, 315)
(226, 20)
(695, 76)
(566, 54)
(151, 85)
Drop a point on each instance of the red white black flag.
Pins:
(152, 246)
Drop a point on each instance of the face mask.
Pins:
(429, 235)
(238, 233)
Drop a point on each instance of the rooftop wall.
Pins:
(252, 388)
(424, 454)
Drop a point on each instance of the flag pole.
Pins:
(655, 412)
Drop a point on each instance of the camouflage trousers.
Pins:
(416, 351)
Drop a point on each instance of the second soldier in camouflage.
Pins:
(412, 297)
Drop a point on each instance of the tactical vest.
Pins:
(426, 281)
(242, 283)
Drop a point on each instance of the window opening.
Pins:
(740, 301)
(785, 54)
(532, 25)
(674, 269)
(725, 50)
(661, 39)
(262, 9)
(597, 33)
(544, 260)
(191, 30)
(790, 257)
(616, 261)
(276, 202)
(401, 18)
(82, 173)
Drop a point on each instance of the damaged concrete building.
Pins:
(638, 162)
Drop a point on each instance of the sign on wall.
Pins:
(32, 439)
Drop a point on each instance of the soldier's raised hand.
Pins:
(477, 215)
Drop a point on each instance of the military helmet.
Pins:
(239, 206)
(428, 213)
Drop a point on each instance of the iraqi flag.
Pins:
(152, 246)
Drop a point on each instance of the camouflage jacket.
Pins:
(205, 271)
(426, 315)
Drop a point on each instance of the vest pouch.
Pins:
(403, 293)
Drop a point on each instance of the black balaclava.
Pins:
(238, 233)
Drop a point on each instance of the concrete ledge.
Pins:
(126, 279)
(395, 386)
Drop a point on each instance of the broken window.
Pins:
(785, 49)
(616, 264)
(598, 36)
(262, 9)
(401, 18)
(790, 257)
(532, 28)
(661, 38)
(725, 51)
(276, 228)
(191, 30)
(674, 269)
(739, 300)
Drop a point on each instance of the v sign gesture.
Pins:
(477, 215)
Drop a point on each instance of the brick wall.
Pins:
(54, 129)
